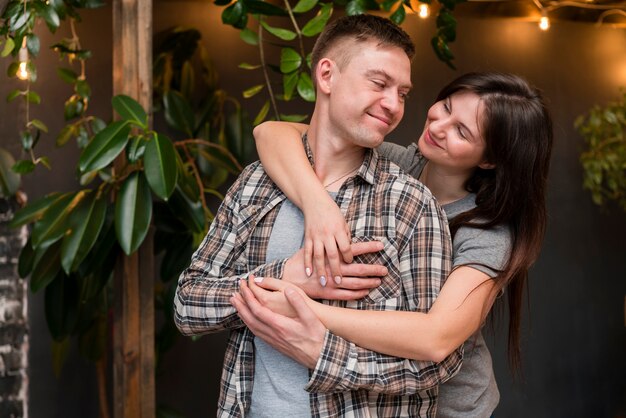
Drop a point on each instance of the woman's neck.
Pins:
(446, 186)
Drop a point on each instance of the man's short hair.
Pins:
(359, 28)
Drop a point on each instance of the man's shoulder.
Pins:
(392, 177)
(253, 184)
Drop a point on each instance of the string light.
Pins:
(22, 71)
(424, 11)
(544, 22)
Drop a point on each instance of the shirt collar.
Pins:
(368, 171)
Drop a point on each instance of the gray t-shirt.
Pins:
(473, 392)
(279, 381)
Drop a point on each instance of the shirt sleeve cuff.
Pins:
(331, 365)
(274, 269)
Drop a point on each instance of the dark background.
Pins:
(574, 335)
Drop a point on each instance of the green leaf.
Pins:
(9, 180)
(32, 44)
(354, 7)
(60, 351)
(135, 149)
(13, 95)
(23, 167)
(12, 69)
(253, 90)
(304, 6)
(399, 15)
(65, 135)
(246, 66)
(47, 266)
(235, 15)
(317, 24)
(293, 118)
(33, 97)
(160, 166)
(190, 212)
(284, 34)
(249, 37)
(85, 225)
(130, 110)
(178, 113)
(290, 60)
(26, 260)
(39, 125)
(260, 117)
(53, 224)
(133, 212)
(305, 87)
(82, 88)
(264, 8)
(61, 302)
(289, 84)
(51, 17)
(8, 48)
(33, 211)
(105, 146)
(27, 140)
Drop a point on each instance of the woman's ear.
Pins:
(324, 73)
(486, 165)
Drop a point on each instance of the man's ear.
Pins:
(486, 165)
(324, 73)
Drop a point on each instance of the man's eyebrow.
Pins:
(386, 76)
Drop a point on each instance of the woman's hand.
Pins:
(357, 279)
(326, 240)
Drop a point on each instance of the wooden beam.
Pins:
(133, 337)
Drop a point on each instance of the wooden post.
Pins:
(133, 337)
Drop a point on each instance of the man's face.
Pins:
(368, 93)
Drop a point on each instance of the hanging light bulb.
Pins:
(22, 71)
(424, 11)
(544, 22)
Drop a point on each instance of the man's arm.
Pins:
(204, 288)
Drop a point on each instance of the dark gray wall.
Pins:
(574, 338)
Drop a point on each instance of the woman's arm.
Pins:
(457, 313)
(327, 235)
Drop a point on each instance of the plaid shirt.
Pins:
(380, 203)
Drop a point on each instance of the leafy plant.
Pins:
(604, 160)
(288, 28)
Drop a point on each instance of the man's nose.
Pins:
(392, 102)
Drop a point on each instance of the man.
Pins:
(361, 67)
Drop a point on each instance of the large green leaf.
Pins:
(304, 6)
(130, 110)
(54, 221)
(85, 225)
(190, 212)
(317, 24)
(133, 212)
(264, 8)
(26, 261)
(284, 34)
(305, 87)
(104, 147)
(47, 266)
(61, 306)
(290, 81)
(9, 180)
(160, 166)
(178, 113)
(33, 211)
(290, 60)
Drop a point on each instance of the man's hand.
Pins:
(300, 338)
(357, 279)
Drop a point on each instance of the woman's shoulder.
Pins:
(408, 158)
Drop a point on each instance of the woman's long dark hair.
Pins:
(517, 129)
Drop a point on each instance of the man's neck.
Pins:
(335, 159)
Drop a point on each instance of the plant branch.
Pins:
(265, 74)
(208, 144)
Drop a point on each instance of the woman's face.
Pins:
(452, 136)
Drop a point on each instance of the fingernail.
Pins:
(258, 279)
(338, 279)
(308, 272)
(323, 281)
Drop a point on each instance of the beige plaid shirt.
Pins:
(380, 203)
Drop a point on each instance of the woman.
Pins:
(484, 153)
